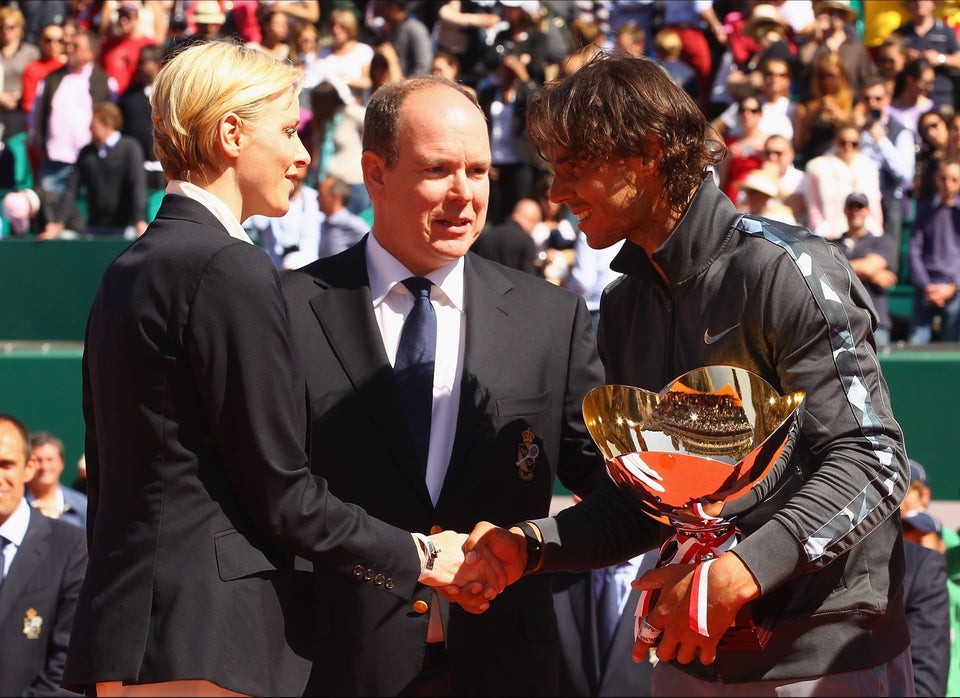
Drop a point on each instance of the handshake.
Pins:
(474, 569)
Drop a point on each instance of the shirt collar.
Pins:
(385, 271)
(15, 528)
(216, 206)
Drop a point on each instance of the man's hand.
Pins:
(509, 547)
(939, 294)
(729, 586)
(502, 552)
(466, 579)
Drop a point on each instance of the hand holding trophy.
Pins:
(697, 456)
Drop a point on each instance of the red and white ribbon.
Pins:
(698, 598)
(701, 550)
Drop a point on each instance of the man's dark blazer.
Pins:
(529, 359)
(927, 602)
(582, 670)
(508, 244)
(134, 105)
(37, 602)
(199, 494)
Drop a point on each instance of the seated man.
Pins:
(44, 491)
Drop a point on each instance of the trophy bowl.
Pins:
(697, 456)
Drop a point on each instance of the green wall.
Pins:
(48, 286)
(41, 386)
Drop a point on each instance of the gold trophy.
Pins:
(697, 456)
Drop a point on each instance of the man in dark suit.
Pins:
(589, 666)
(510, 242)
(42, 561)
(514, 357)
(927, 601)
(134, 105)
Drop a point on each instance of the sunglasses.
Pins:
(750, 110)
(852, 144)
(770, 74)
(772, 153)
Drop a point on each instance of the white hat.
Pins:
(19, 207)
(844, 5)
(759, 180)
(208, 12)
(532, 7)
(763, 15)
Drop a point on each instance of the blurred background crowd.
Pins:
(839, 115)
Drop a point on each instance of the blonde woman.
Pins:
(15, 53)
(831, 104)
(346, 57)
(200, 495)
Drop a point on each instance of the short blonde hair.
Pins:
(8, 13)
(345, 18)
(197, 87)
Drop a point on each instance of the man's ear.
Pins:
(652, 151)
(229, 133)
(374, 168)
(30, 469)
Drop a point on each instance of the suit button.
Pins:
(358, 571)
(435, 529)
(378, 580)
(421, 607)
(368, 575)
(389, 584)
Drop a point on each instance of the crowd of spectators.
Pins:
(815, 100)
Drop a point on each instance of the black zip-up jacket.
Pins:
(825, 545)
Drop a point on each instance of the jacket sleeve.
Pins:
(252, 390)
(850, 459)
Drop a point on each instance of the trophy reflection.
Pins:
(697, 456)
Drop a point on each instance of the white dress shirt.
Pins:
(392, 302)
(14, 529)
(212, 203)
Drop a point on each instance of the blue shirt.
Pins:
(934, 247)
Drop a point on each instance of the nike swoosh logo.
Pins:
(711, 338)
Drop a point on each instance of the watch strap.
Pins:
(430, 551)
(534, 546)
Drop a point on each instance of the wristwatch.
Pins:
(430, 551)
(941, 58)
(534, 547)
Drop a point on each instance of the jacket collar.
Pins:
(694, 243)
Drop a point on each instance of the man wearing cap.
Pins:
(121, 52)
(871, 257)
(830, 35)
(760, 192)
(918, 499)
(927, 600)
(918, 495)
